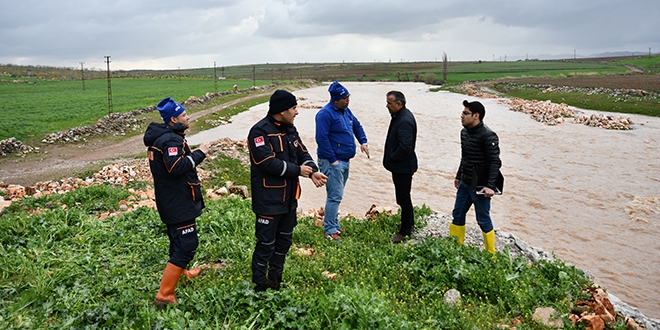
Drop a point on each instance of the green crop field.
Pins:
(31, 111)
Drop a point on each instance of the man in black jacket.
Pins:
(399, 158)
(277, 158)
(178, 191)
(480, 156)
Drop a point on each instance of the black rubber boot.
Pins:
(274, 280)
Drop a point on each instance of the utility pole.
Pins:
(82, 74)
(107, 60)
(215, 78)
(574, 54)
(649, 51)
(179, 75)
(254, 76)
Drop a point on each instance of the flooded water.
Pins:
(590, 195)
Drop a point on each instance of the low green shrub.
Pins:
(62, 267)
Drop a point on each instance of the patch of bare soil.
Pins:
(55, 161)
(649, 82)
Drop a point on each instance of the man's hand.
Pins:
(305, 170)
(204, 147)
(456, 183)
(487, 192)
(319, 179)
(365, 149)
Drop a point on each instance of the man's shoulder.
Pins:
(326, 110)
(408, 114)
(487, 131)
(263, 122)
(168, 137)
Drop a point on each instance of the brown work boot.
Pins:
(192, 273)
(398, 238)
(171, 276)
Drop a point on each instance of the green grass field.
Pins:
(31, 111)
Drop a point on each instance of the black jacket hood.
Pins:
(156, 130)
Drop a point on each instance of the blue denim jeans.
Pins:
(465, 197)
(334, 187)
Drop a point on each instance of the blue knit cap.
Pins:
(169, 108)
(337, 91)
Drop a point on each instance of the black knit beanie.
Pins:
(280, 101)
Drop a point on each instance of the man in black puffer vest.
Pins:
(480, 155)
(278, 157)
(178, 191)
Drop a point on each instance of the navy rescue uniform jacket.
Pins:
(173, 166)
(276, 154)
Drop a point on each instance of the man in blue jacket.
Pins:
(336, 131)
(178, 191)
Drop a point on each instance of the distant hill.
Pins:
(577, 56)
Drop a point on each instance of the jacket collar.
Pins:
(280, 125)
(394, 115)
(476, 127)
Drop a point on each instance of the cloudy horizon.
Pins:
(168, 35)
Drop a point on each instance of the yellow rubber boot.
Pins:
(489, 241)
(171, 276)
(458, 232)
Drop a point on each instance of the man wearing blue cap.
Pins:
(178, 191)
(336, 131)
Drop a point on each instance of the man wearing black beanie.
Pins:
(277, 158)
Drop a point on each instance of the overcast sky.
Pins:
(166, 34)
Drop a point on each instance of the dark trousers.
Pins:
(402, 187)
(183, 243)
(274, 235)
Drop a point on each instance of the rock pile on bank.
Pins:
(11, 145)
(551, 113)
(605, 121)
(111, 124)
(473, 90)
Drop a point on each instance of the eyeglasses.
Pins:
(466, 113)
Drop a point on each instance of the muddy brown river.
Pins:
(590, 195)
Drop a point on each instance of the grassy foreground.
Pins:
(63, 267)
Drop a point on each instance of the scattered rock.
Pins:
(452, 297)
(546, 316)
